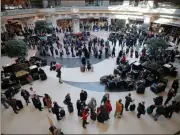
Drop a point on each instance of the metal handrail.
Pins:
(115, 3)
(59, 9)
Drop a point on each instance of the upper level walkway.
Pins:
(94, 9)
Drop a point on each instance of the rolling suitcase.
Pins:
(70, 108)
(136, 55)
(150, 109)
(67, 53)
(140, 89)
(19, 104)
(43, 77)
(82, 68)
(88, 33)
(62, 113)
(96, 55)
(56, 51)
(35, 76)
(44, 102)
(41, 53)
(132, 107)
(93, 116)
(99, 57)
(112, 85)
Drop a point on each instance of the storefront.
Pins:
(139, 20)
(172, 25)
(65, 23)
(14, 4)
(13, 25)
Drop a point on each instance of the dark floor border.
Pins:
(177, 133)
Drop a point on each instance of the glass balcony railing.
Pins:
(169, 5)
(33, 8)
(92, 4)
(115, 3)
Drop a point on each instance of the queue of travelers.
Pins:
(91, 108)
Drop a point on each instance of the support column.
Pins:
(147, 21)
(52, 20)
(127, 21)
(45, 3)
(109, 21)
(75, 24)
(150, 3)
(126, 3)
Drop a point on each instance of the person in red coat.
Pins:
(85, 115)
(123, 59)
(108, 106)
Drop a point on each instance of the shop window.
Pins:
(93, 2)
(116, 2)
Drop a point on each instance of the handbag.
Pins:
(65, 102)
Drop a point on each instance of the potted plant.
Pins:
(16, 49)
(155, 46)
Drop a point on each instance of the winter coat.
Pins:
(128, 100)
(78, 104)
(160, 110)
(119, 107)
(84, 115)
(56, 109)
(108, 106)
(158, 101)
(92, 104)
(25, 94)
(83, 96)
(141, 108)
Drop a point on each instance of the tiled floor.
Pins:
(31, 121)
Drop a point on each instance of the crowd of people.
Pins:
(131, 37)
(100, 112)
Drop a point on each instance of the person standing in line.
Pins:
(114, 42)
(105, 98)
(4, 101)
(108, 106)
(128, 100)
(85, 115)
(83, 95)
(59, 75)
(12, 103)
(53, 129)
(25, 94)
(119, 109)
(48, 102)
(159, 111)
(113, 52)
(169, 96)
(170, 109)
(72, 50)
(67, 100)
(141, 109)
(36, 101)
(175, 85)
(56, 110)
(52, 50)
(92, 104)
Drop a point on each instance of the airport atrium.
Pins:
(90, 67)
